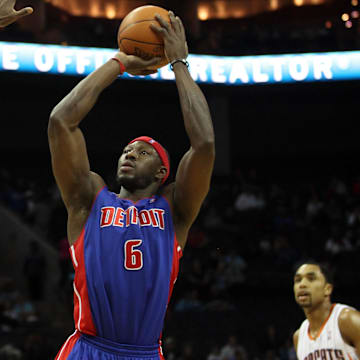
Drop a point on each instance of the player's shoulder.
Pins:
(83, 200)
(348, 313)
(296, 337)
(296, 334)
(167, 192)
(300, 332)
(349, 323)
(97, 182)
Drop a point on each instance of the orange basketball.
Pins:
(135, 37)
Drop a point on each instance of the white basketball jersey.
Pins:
(329, 344)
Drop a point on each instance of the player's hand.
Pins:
(8, 14)
(173, 34)
(135, 65)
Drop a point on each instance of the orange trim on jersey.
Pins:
(322, 326)
(350, 356)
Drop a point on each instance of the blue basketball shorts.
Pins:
(85, 347)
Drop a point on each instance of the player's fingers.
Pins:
(24, 12)
(156, 28)
(159, 30)
(174, 22)
(151, 62)
(181, 25)
(164, 24)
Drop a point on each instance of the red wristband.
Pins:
(122, 66)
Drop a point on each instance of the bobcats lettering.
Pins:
(326, 354)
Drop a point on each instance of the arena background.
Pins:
(286, 145)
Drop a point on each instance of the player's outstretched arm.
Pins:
(195, 169)
(349, 324)
(8, 14)
(67, 145)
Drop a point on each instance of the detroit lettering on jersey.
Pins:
(111, 216)
(325, 354)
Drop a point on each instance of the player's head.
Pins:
(313, 284)
(143, 162)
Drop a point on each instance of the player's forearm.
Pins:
(76, 105)
(195, 109)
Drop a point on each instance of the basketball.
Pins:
(135, 37)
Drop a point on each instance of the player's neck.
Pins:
(138, 194)
(318, 316)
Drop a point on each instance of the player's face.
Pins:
(138, 165)
(310, 286)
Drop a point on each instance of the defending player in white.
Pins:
(330, 331)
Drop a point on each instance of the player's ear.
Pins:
(161, 172)
(328, 289)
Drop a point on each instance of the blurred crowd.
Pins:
(23, 324)
(250, 229)
(270, 347)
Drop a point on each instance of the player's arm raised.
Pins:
(70, 162)
(349, 324)
(195, 169)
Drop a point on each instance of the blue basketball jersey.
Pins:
(126, 262)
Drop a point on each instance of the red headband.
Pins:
(159, 149)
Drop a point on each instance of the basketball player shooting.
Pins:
(330, 331)
(126, 247)
(8, 14)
